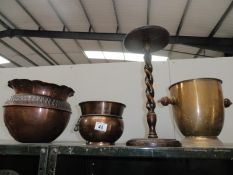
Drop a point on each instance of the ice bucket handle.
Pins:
(167, 100)
(227, 102)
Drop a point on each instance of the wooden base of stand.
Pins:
(153, 142)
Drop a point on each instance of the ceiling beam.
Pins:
(17, 52)
(40, 26)
(216, 44)
(66, 26)
(187, 5)
(63, 34)
(217, 26)
(25, 42)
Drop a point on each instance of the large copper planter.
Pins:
(37, 112)
(198, 108)
(101, 122)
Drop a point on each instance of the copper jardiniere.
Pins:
(37, 112)
(198, 108)
(101, 122)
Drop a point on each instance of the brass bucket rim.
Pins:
(193, 79)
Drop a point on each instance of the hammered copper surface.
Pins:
(41, 88)
(102, 108)
(198, 106)
(35, 124)
(87, 129)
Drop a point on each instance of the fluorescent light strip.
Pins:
(121, 56)
(3, 60)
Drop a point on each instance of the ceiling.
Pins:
(204, 18)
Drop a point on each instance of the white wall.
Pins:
(124, 82)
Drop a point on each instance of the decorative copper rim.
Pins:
(12, 83)
(37, 101)
(195, 79)
(102, 101)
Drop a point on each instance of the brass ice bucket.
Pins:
(198, 108)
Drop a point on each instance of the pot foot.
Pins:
(201, 141)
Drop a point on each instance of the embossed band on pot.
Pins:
(37, 101)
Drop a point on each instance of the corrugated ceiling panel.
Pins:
(176, 55)
(89, 45)
(185, 48)
(8, 65)
(25, 50)
(16, 14)
(79, 58)
(101, 15)
(47, 45)
(38, 60)
(68, 45)
(60, 58)
(167, 13)
(43, 13)
(132, 14)
(202, 16)
(98, 61)
(112, 46)
(213, 53)
(18, 45)
(72, 13)
(226, 30)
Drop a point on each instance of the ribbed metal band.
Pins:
(37, 101)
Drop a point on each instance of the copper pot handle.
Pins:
(76, 128)
(167, 100)
(227, 102)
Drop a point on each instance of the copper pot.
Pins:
(35, 118)
(37, 112)
(198, 106)
(101, 122)
(100, 129)
(22, 86)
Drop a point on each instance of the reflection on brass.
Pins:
(101, 122)
(198, 106)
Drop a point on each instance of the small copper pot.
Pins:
(198, 106)
(101, 122)
(100, 129)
